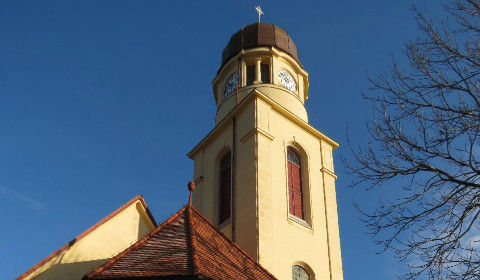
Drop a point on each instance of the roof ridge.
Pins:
(231, 242)
(86, 232)
(134, 245)
(190, 240)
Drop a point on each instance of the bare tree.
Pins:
(425, 137)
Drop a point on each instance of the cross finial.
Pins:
(259, 12)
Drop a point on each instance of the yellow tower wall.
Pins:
(285, 240)
(263, 226)
(207, 156)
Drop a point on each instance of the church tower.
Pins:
(264, 176)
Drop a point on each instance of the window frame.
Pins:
(294, 158)
(307, 221)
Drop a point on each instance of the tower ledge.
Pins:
(255, 93)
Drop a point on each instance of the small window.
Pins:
(225, 171)
(295, 192)
(265, 73)
(250, 74)
(299, 273)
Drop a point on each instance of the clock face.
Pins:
(231, 85)
(287, 80)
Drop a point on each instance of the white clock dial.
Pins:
(287, 80)
(230, 85)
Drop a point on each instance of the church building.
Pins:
(263, 202)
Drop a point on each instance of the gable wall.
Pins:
(93, 249)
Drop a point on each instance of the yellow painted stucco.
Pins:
(84, 254)
(267, 119)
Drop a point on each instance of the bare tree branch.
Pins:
(424, 132)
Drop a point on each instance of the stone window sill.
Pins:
(299, 221)
(225, 223)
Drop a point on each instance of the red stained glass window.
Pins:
(295, 194)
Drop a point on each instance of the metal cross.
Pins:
(259, 11)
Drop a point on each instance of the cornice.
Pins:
(255, 93)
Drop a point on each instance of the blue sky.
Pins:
(101, 101)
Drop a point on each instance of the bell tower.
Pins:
(264, 176)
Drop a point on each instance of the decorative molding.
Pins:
(247, 135)
(277, 107)
(256, 130)
(266, 134)
(329, 172)
(295, 220)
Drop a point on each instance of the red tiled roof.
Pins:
(185, 246)
(83, 234)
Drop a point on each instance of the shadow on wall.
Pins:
(74, 270)
(143, 227)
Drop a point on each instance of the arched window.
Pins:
(295, 193)
(299, 273)
(225, 181)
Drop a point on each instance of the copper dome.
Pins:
(259, 35)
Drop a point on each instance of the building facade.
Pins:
(264, 176)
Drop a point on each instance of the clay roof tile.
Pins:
(184, 246)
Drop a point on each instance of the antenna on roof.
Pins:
(259, 12)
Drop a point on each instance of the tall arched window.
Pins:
(295, 193)
(225, 181)
(299, 273)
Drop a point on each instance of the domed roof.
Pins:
(259, 35)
